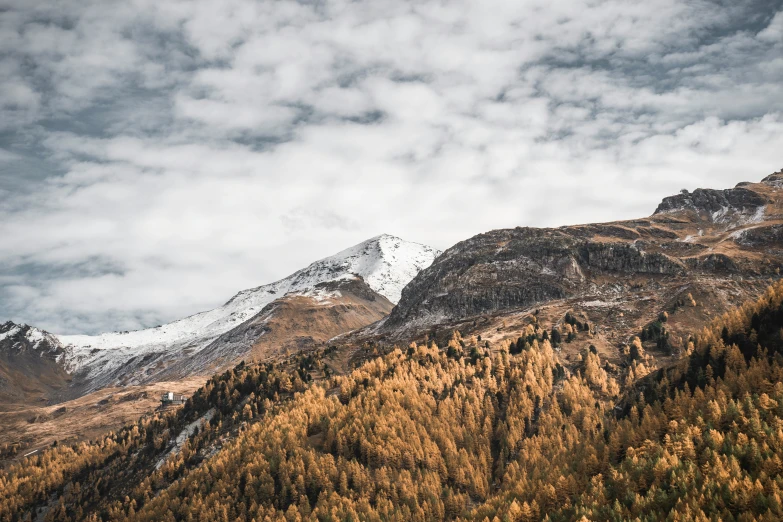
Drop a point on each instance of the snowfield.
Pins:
(386, 263)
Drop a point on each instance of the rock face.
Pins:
(706, 233)
(715, 205)
(514, 268)
(759, 236)
(22, 338)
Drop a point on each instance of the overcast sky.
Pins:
(156, 157)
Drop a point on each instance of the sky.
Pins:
(157, 157)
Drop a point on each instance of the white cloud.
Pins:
(773, 33)
(204, 147)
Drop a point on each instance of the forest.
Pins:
(463, 431)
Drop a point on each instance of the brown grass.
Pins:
(88, 417)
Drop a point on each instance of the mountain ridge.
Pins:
(603, 284)
(707, 233)
(517, 351)
(364, 260)
(362, 276)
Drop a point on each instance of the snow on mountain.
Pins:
(9, 329)
(386, 263)
(25, 336)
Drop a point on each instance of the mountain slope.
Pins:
(708, 237)
(294, 322)
(430, 434)
(28, 365)
(301, 312)
(385, 263)
(565, 373)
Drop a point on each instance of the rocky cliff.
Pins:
(731, 234)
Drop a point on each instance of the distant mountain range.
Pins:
(698, 255)
(363, 281)
(603, 371)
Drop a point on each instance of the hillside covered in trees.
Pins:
(465, 432)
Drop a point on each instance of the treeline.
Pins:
(75, 480)
(456, 432)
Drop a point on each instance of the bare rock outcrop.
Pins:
(714, 204)
(733, 233)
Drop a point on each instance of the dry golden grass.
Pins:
(87, 417)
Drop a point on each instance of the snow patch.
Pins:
(719, 214)
(322, 296)
(691, 238)
(737, 234)
(756, 217)
(739, 217)
(12, 331)
(598, 304)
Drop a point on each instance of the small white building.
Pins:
(170, 398)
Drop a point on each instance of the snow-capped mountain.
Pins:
(385, 263)
(13, 331)
(22, 337)
(29, 371)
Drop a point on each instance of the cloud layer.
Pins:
(156, 157)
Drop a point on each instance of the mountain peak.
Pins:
(382, 237)
(22, 336)
(385, 263)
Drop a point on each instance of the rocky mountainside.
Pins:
(293, 322)
(552, 346)
(721, 242)
(698, 255)
(28, 365)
